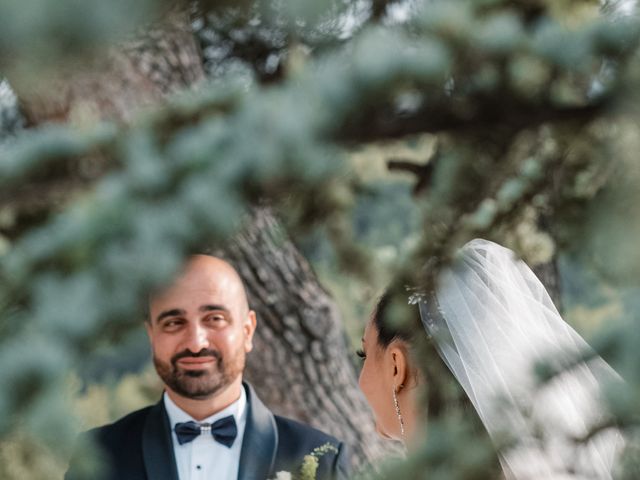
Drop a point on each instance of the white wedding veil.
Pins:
(493, 322)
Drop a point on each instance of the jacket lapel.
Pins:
(260, 441)
(157, 446)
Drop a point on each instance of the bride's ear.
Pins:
(400, 365)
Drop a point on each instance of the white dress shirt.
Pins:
(204, 458)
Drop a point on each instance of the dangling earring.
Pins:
(398, 414)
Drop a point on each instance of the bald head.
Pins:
(203, 276)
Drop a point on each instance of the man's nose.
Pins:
(197, 338)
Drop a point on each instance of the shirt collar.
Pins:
(177, 415)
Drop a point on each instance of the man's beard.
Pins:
(202, 383)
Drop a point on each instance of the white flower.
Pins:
(283, 476)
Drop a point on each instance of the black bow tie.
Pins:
(224, 431)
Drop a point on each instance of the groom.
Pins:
(209, 424)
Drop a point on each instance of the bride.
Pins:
(490, 324)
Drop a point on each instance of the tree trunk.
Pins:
(301, 364)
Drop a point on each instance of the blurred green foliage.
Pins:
(519, 114)
(39, 35)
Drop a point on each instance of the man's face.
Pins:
(200, 330)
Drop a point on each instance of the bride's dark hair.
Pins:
(444, 393)
(437, 374)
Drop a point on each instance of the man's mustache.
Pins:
(202, 353)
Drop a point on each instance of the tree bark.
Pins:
(301, 363)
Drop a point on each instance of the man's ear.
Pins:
(249, 328)
(399, 365)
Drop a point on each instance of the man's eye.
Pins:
(172, 324)
(361, 354)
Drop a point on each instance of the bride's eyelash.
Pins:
(361, 354)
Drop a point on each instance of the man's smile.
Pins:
(195, 362)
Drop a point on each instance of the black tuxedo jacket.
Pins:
(139, 446)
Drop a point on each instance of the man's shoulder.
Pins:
(287, 427)
(291, 428)
(120, 442)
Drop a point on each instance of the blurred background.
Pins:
(326, 148)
